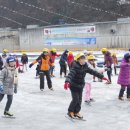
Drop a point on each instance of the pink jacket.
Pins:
(124, 75)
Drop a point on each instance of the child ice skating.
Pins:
(76, 81)
(70, 59)
(8, 84)
(62, 62)
(124, 76)
(115, 62)
(38, 70)
(45, 63)
(108, 63)
(24, 60)
(89, 78)
(53, 55)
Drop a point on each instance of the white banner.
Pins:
(69, 30)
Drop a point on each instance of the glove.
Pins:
(105, 79)
(1, 88)
(15, 89)
(30, 65)
(66, 85)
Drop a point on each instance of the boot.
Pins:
(53, 75)
(71, 114)
(92, 100)
(78, 115)
(121, 98)
(128, 97)
(6, 113)
(108, 83)
(51, 89)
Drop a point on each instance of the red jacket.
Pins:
(53, 56)
(17, 63)
(70, 59)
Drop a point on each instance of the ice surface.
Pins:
(36, 110)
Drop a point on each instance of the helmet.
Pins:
(66, 51)
(104, 50)
(79, 56)
(10, 59)
(5, 50)
(45, 50)
(114, 54)
(53, 50)
(91, 57)
(90, 53)
(23, 53)
(70, 52)
(127, 56)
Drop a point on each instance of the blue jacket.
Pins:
(63, 58)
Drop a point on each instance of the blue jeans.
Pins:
(51, 70)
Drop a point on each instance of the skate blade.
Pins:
(80, 119)
(71, 119)
(88, 104)
(76, 118)
(9, 117)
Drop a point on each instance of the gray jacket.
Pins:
(8, 78)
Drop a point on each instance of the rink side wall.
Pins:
(108, 34)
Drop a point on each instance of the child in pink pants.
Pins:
(87, 95)
(89, 79)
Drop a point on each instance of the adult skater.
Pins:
(45, 63)
(124, 76)
(76, 81)
(108, 63)
(8, 83)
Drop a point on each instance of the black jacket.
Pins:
(77, 74)
(24, 59)
(63, 58)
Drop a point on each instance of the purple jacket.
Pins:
(124, 75)
(108, 59)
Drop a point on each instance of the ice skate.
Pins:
(121, 98)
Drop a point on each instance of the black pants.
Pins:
(122, 90)
(75, 105)
(49, 83)
(63, 69)
(109, 73)
(115, 70)
(37, 72)
(9, 101)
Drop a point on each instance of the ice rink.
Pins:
(36, 110)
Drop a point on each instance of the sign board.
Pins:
(69, 30)
(70, 41)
